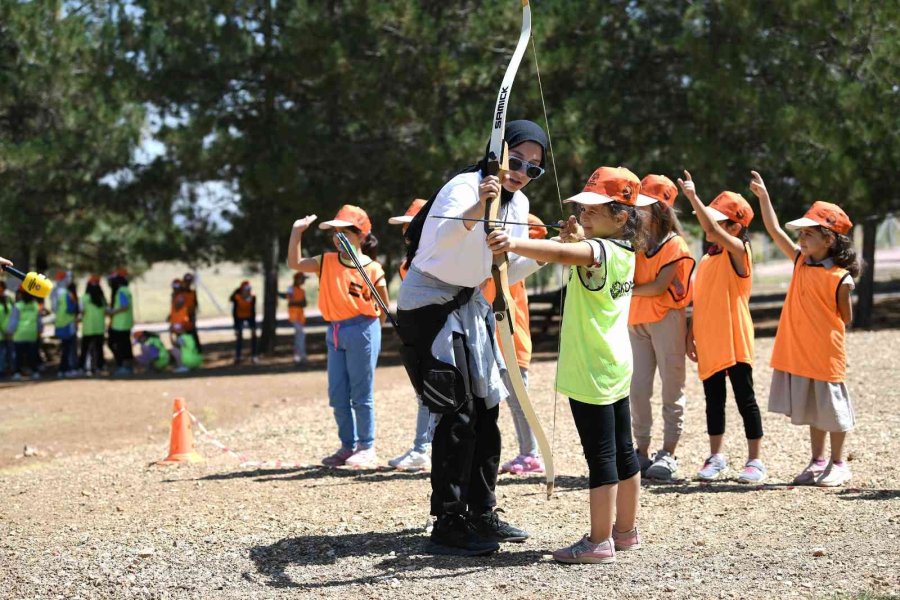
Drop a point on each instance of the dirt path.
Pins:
(97, 522)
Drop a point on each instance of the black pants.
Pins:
(465, 456)
(27, 355)
(605, 433)
(92, 345)
(120, 344)
(239, 325)
(741, 376)
(193, 333)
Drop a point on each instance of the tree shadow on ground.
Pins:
(868, 494)
(403, 554)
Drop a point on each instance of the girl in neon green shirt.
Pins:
(595, 360)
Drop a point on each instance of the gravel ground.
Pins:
(95, 520)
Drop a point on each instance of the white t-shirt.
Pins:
(450, 252)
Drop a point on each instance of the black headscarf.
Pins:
(516, 133)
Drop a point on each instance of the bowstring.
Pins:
(562, 214)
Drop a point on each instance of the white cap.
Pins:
(801, 222)
(335, 223)
(714, 214)
(593, 199)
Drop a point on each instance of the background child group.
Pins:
(22, 322)
(625, 317)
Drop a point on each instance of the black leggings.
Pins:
(605, 433)
(741, 376)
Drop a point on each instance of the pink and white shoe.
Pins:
(523, 464)
(362, 459)
(626, 540)
(811, 473)
(338, 458)
(835, 475)
(585, 551)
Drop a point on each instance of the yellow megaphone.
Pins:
(34, 283)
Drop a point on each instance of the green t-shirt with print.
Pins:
(595, 362)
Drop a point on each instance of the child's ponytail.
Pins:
(844, 254)
(633, 230)
(369, 246)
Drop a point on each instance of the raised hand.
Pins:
(301, 225)
(572, 231)
(4, 261)
(687, 186)
(758, 186)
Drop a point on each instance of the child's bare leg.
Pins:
(753, 448)
(817, 443)
(627, 503)
(837, 444)
(715, 443)
(603, 510)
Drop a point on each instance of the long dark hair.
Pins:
(95, 293)
(843, 253)
(667, 222)
(633, 229)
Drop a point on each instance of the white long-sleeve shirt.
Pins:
(455, 255)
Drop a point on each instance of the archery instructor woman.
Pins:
(449, 345)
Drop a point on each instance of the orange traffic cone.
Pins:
(181, 441)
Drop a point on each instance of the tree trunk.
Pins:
(270, 298)
(865, 289)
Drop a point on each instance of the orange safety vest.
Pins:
(810, 337)
(651, 309)
(180, 311)
(522, 329)
(243, 306)
(342, 292)
(723, 329)
(296, 314)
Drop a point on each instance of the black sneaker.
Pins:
(489, 525)
(453, 534)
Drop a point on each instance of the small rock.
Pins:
(699, 542)
(145, 552)
(818, 552)
(29, 451)
(85, 493)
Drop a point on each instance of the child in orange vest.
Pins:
(529, 459)
(720, 338)
(808, 360)
(243, 312)
(190, 296)
(353, 338)
(296, 297)
(418, 457)
(657, 327)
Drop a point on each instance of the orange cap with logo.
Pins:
(411, 212)
(659, 188)
(536, 229)
(612, 184)
(731, 206)
(824, 214)
(350, 216)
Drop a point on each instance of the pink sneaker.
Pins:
(362, 459)
(626, 540)
(338, 458)
(585, 551)
(523, 464)
(811, 473)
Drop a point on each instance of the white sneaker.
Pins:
(835, 475)
(412, 461)
(754, 471)
(362, 459)
(713, 467)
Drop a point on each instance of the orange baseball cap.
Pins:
(536, 229)
(823, 214)
(659, 188)
(612, 184)
(411, 212)
(59, 276)
(349, 216)
(730, 206)
(94, 280)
